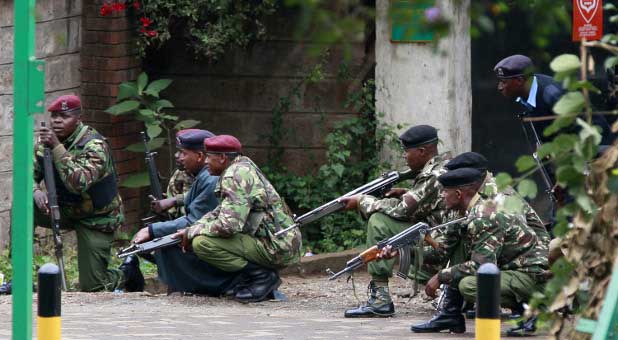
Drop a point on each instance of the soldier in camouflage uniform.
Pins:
(389, 216)
(87, 195)
(238, 236)
(491, 236)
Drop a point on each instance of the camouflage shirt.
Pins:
(80, 168)
(497, 237)
(178, 186)
(425, 191)
(489, 190)
(249, 204)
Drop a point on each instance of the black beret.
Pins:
(468, 160)
(460, 177)
(419, 135)
(193, 139)
(514, 66)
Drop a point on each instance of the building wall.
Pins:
(58, 42)
(418, 84)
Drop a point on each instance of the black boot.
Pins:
(134, 280)
(260, 283)
(524, 328)
(379, 304)
(448, 318)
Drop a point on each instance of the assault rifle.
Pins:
(147, 247)
(54, 209)
(400, 242)
(153, 177)
(377, 187)
(544, 174)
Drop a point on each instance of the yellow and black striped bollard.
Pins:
(48, 320)
(487, 323)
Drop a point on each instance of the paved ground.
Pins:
(315, 311)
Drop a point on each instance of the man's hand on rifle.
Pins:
(185, 244)
(143, 235)
(387, 253)
(396, 192)
(47, 137)
(159, 206)
(432, 286)
(350, 202)
(40, 199)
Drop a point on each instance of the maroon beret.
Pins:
(66, 103)
(222, 143)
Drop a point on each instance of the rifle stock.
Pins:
(376, 187)
(54, 209)
(153, 173)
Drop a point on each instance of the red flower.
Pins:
(151, 33)
(106, 9)
(136, 4)
(142, 30)
(145, 21)
(117, 6)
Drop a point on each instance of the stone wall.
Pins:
(236, 94)
(58, 42)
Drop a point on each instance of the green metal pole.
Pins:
(28, 98)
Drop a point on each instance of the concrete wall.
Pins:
(417, 84)
(58, 42)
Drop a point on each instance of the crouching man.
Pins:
(238, 236)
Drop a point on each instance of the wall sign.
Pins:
(587, 19)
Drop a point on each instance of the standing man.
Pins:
(238, 236)
(185, 272)
(88, 196)
(389, 216)
(491, 236)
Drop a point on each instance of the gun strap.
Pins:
(269, 203)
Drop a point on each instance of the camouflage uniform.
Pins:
(389, 216)
(89, 203)
(504, 239)
(178, 186)
(242, 227)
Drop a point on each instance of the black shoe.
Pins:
(260, 282)
(524, 328)
(517, 312)
(6, 288)
(448, 318)
(134, 280)
(379, 304)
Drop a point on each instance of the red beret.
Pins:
(66, 103)
(222, 143)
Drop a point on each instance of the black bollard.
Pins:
(48, 320)
(487, 322)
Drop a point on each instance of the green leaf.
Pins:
(525, 163)
(142, 81)
(503, 180)
(153, 144)
(147, 113)
(568, 175)
(170, 117)
(527, 188)
(613, 18)
(610, 62)
(585, 203)
(513, 205)
(559, 124)
(338, 169)
(589, 131)
(572, 102)
(547, 149)
(609, 7)
(162, 104)
(565, 63)
(186, 124)
(123, 107)
(157, 86)
(138, 180)
(581, 84)
(127, 90)
(153, 130)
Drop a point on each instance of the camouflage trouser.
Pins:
(231, 254)
(515, 287)
(93, 255)
(381, 227)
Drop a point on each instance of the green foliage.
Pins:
(142, 99)
(208, 27)
(352, 159)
